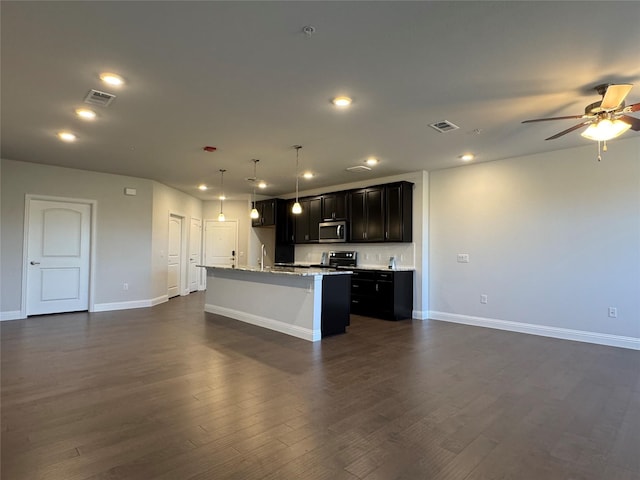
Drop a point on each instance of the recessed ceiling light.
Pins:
(371, 161)
(202, 187)
(341, 101)
(66, 136)
(111, 79)
(262, 185)
(467, 157)
(222, 197)
(85, 113)
(307, 175)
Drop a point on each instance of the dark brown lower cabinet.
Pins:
(382, 294)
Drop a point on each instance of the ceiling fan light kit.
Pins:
(605, 130)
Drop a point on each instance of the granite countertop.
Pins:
(363, 267)
(297, 271)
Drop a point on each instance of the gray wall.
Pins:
(131, 231)
(553, 239)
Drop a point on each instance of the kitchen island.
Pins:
(308, 303)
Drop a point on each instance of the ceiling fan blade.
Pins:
(614, 96)
(633, 121)
(552, 118)
(632, 108)
(568, 130)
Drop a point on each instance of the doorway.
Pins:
(174, 256)
(195, 247)
(221, 243)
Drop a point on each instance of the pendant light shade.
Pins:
(297, 208)
(254, 211)
(221, 215)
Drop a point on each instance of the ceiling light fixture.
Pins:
(341, 101)
(297, 208)
(67, 136)
(85, 113)
(202, 187)
(307, 175)
(371, 161)
(606, 129)
(262, 184)
(111, 79)
(254, 211)
(222, 197)
(467, 157)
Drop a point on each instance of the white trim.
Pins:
(270, 323)
(107, 307)
(12, 315)
(93, 206)
(632, 343)
(420, 314)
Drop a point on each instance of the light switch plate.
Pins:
(463, 258)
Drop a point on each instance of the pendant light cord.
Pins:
(297, 147)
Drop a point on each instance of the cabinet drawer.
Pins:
(364, 275)
(384, 276)
(362, 287)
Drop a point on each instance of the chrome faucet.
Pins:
(263, 251)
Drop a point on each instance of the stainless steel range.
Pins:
(344, 259)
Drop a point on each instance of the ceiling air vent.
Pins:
(96, 97)
(444, 126)
(358, 168)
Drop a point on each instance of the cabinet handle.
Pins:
(376, 287)
(355, 301)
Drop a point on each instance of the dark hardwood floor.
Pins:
(170, 392)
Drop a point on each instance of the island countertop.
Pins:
(296, 271)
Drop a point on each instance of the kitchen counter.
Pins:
(308, 303)
(296, 270)
(340, 269)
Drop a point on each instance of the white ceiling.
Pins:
(243, 77)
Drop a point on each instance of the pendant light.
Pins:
(221, 215)
(297, 208)
(254, 211)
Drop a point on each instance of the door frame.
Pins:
(183, 287)
(93, 208)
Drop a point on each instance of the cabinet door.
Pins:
(358, 216)
(374, 205)
(398, 223)
(268, 213)
(334, 206)
(315, 217)
(302, 222)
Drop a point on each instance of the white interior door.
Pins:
(221, 243)
(58, 256)
(195, 246)
(174, 257)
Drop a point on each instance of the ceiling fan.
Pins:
(606, 118)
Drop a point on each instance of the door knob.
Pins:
(34, 263)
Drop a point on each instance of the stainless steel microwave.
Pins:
(333, 232)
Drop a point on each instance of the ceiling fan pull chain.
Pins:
(604, 148)
(599, 156)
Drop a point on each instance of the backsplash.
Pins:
(369, 254)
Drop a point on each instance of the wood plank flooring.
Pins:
(170, 392)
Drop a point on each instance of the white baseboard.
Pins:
(107, 307)
(270, 323)
(12, 315)
(632, 343)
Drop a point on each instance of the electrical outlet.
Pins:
(484, 299)
(463, 258)
(125, 286)
(613, 312)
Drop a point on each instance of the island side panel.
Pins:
(336, 304)
(287, 304)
